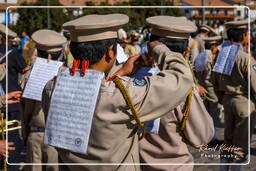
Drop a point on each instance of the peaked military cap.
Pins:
(239, 24)
(11, 34)
(171, 27)
(48, 40)
(95, 27)
(209, 29)
(213, 39)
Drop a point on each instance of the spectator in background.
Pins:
(28, 51)
(68, 58)
(24, 38)
(133, 48)
(122, 37)
(221, 28)
(15, 42)
(121, 56)
(215, 27)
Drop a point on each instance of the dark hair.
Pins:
(221, 22)
(92, 50)
(208, 45)
(236, 34)
(175, 45)
(203, 31)
(44, 54)
(66, 34)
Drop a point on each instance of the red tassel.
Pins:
(85, 66)
(75, 66)
(24, 70)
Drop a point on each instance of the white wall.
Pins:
(13, 17)
(9, 1)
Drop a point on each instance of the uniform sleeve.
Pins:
(46, 97)
(27, 107)
(2, 101)
(165, 91)
(244, 65)
(2, 71)
(19, 62)
(24, 78)
(252, 68)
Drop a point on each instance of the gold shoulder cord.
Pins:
(247, 64)
(128, 101)
(186, 110)
(187, 106)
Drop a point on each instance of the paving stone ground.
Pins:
(220, 135)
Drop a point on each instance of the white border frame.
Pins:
(148, 7)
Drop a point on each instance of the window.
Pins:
(238, 13)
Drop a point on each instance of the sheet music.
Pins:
(153, 126)
(154, 71)
(226, 58)
(121, 57)
(42, 71)
(71, 110)
(201, 61)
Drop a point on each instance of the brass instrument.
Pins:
(15, 124)
(11, 125)
(3, 138)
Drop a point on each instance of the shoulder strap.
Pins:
(246, 67)
(128, 101)
(6, 54)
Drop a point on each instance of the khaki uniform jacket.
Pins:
(113, 137)
(205, 79)
(168, 146)
(235, 102)
(237, 83)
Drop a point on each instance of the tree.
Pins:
(137, 15)
(32, 19)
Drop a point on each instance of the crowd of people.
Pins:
(163, 89)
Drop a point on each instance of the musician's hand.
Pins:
(13, 97)
(153, 44)
(3, 148)
(202, 91)
(128, 67)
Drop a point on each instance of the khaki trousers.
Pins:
(38, 152)
(236, 115)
